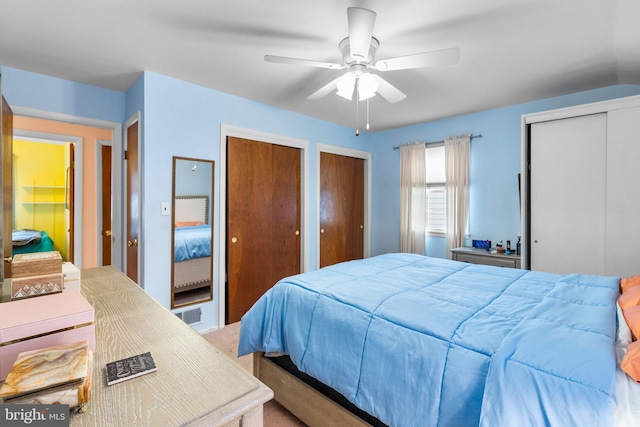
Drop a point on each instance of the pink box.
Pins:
(43, 321)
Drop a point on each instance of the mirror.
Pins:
(192, 237)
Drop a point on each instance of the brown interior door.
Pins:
(263, 220)
(70, 199)
(105, 185)
(133, 193)
(341, 208)
(6, 118)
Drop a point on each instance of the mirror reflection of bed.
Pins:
(192, 270)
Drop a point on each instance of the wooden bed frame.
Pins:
(309, 405)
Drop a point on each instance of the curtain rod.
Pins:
(442, 142)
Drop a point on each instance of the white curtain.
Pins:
(456, 154)
(413, 197)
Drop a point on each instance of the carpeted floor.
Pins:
(226, 340)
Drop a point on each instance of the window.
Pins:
(436, 190)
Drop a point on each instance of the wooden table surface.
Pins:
(195, 384)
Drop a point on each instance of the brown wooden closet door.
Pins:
(133, 192)
(105, 185)
(70, 200)
(263, 220)
(6, 142)
(341, 208)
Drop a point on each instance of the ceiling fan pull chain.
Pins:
(367, 126)
(357, 115)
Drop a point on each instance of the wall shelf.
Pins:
(42, 203)
(50, 190)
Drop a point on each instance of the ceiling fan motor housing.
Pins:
(344, 46)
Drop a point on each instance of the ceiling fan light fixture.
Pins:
(367, 86)
(346, 85)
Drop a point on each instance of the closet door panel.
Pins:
(263, 215)
(341, 208)
(568, 180)
(623, 193)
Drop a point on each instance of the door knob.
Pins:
(297, 232)
(107, 233)
(134, 243)
(8, 259)
(234, 239)
(322, 230)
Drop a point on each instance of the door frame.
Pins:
(117, 159)
(56, 138)
(349, 152)
(254, 135)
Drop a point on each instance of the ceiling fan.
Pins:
(358, 53)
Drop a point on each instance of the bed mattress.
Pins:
(419, 341)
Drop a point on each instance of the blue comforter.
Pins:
(418, 341)
(192, 242)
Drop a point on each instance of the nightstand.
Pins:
(482, 256)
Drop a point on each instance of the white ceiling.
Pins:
(511, 51)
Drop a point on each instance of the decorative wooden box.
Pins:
(36, 264)
(49, 320)
(33, 286)
(71, 275)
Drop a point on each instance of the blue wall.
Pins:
(36, 91)
(183, 119)
(494, 211)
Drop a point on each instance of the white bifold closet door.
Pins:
(622, 257)
(568, 195)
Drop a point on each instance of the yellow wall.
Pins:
(39, 190)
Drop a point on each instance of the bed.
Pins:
(418, 341)
(29, 241)
(192, 243)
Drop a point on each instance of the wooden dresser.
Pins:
(195, 384)
(482, 256)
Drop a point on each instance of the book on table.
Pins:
(130, 367)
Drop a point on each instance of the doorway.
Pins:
(43, 194)
(83, 132)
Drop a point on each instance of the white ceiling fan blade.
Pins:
(388, 91)
(298, 61)
(426, 59)
(361, 22)
(325, 90)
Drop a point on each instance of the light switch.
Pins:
(165, 208)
